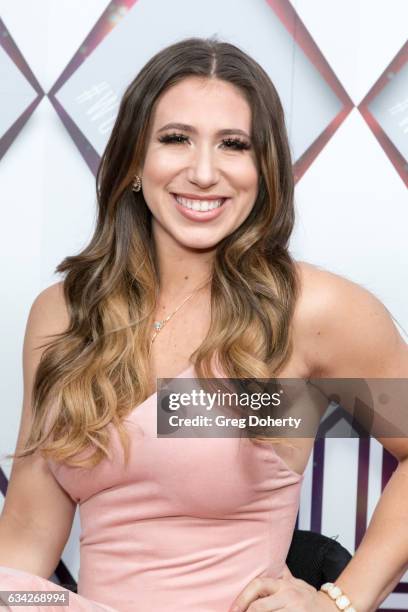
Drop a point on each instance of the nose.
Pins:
(203, 170)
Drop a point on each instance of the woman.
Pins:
(188, 272)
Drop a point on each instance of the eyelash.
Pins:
(239, 145)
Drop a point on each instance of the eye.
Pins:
(173, 138)
(236, 144)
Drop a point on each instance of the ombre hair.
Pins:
(97, 371)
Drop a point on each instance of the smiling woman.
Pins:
(208, 173)
(188, 273)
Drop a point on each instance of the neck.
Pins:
(182, 270)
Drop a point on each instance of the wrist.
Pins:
(334, 593)
(326, 603)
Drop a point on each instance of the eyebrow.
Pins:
(189, 128)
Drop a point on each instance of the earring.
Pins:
(137, 183)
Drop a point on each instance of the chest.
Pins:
(185, 332)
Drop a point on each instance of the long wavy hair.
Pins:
(96, 371)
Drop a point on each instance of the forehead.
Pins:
(203, 101)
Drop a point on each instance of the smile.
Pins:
(198, 210)
(199, 205)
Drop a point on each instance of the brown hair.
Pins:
(96, 371)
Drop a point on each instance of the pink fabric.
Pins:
(17, 580)
(183, 529)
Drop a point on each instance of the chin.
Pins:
(197, 244)
(197, 240)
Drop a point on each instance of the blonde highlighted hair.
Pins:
(97, 371)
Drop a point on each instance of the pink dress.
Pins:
(183, 529)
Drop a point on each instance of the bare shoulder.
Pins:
(321, 288)
(344, 329)
(49, 312)
(48, 315)
(51, 302)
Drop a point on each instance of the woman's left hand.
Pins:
(287, 593)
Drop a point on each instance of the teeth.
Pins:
(201, 205)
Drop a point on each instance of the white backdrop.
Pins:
(351, 200)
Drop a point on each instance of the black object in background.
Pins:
(316, 558)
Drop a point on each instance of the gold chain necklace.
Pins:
(158, 325)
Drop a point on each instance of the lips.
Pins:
(199, 204)
(198, 215)
(208, 198)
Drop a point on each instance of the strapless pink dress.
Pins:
(183, 529)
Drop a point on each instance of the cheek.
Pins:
(246, 175)
(249, 184)
(248, 187)
(159, 165)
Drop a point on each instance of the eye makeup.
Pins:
(234, 144)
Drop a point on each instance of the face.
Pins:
(207, 162)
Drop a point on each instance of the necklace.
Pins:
(158, 325)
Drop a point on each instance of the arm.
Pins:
(37, 515)
(352, 335)
(345, 332)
